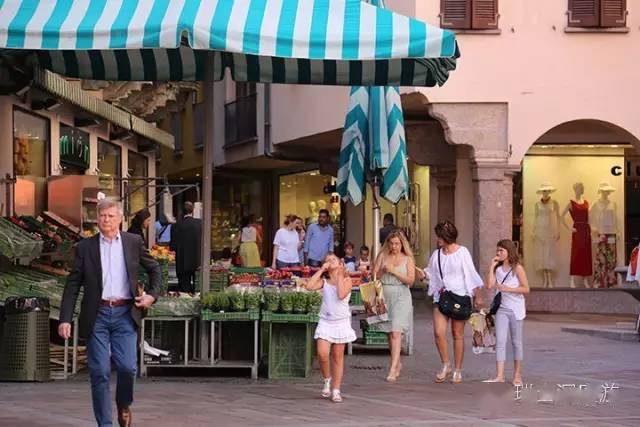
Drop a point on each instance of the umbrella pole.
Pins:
(376, 217)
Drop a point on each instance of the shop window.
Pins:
(469, 14)
(597, 13)
(31, 137)
(137, 190)
(110, 167)
(74, 150)
(176, 130)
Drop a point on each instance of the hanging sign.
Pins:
(74, 148)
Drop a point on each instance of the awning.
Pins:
(336, 42)
(58, 86)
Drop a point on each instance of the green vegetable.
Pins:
(237, 300)
(252, 299)
(287, 301)
(271, 299)
(300, 302)
(314, 301)
(216, 301)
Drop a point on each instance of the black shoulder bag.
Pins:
(452, 305)
(497, 300)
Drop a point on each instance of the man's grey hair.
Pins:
(108, 203)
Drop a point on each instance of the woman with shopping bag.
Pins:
(395, 266)
(453, 281)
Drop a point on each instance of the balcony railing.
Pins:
(240, 120)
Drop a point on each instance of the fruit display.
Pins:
(18, 243)
(54, 238)
(162, 254)
(279, 274)
(252, 279)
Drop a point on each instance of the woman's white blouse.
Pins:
(459, 273)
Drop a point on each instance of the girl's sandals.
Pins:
(457, 377)
(444, 373)
(326, 389)
(517, 382)
(494, 380)
(336, 397)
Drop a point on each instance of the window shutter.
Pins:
(613, 13)
(484, 14)
(455, 14)
(584, 13)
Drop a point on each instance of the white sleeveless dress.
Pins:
(334, 325)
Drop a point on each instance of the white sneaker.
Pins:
(326, 389)
(336, 397)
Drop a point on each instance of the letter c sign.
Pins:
(616, 170)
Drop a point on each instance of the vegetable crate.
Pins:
(287, 344)
(375, 338)
(241, 316)
(356, 297)
(218, 280)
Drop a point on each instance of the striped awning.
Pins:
(332, 42)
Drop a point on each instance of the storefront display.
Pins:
(305, 194)
(579, 246)
(110, 166)
(138, 168)
(31, 140)
(74, 150)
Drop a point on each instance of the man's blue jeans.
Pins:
(114, 338)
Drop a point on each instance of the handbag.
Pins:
(452, 305)
(497, 300)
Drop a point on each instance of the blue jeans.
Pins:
(282, 264)
(114, 338)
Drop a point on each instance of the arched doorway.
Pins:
(579, 204)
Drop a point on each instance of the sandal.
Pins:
(336, 397)
(517, 382)
(444, 373)
(326, 389)
(457, 376)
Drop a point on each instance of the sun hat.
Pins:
(546, 187)
(605, 187)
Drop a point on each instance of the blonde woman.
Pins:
(395, 266)
(249, 245)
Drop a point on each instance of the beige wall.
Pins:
(546, 76)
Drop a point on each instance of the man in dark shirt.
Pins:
(388, 227)
(186, 238)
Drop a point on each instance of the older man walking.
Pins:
(106, 266)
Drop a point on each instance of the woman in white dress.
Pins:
(334, 327)
(450, 269)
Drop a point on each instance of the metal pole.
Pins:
(207, 190)
(376, 217)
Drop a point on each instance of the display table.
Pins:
(215, 353)
(186, 362)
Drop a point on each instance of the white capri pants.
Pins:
(506, 322)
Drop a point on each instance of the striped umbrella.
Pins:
(373, 143)
(328, 42)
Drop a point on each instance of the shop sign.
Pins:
(74, 147)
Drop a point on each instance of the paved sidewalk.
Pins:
(551, 357)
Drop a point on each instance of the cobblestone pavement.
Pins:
(552, 358)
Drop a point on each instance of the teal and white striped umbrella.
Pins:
(329, 42)
(373, 143)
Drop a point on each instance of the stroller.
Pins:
(484, 332)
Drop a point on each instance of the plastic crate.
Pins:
(375, 338)
(24, 354)
(287, 349)
(218, 280)
(253, 270)
(268, 316)
(356, 297)
(241, 316)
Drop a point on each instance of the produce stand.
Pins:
(215, 354)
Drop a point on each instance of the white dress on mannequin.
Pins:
(545, 233)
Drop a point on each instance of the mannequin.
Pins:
(546, 234)
(605, 232)
(581, 257)
(321, 204)
(313, 210)
(335, 211)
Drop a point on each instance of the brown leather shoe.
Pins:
(124, 417)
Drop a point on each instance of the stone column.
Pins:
(446, 185)
(493, 210)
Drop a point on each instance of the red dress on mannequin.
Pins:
(581, 259)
